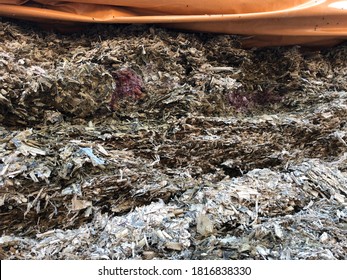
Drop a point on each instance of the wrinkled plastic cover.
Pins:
(265, 23)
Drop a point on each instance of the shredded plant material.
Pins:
(135, 142)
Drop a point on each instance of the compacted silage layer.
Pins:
(135, 142)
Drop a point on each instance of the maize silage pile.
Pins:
(135, 142)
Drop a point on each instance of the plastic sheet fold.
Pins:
(264, 23)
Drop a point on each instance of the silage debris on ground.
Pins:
(211, 151)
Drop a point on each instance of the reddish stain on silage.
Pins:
(245, 101)
(128, 85)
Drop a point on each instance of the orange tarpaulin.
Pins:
(267, 22)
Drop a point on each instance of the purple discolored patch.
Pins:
(245, 101)
(128, 85)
